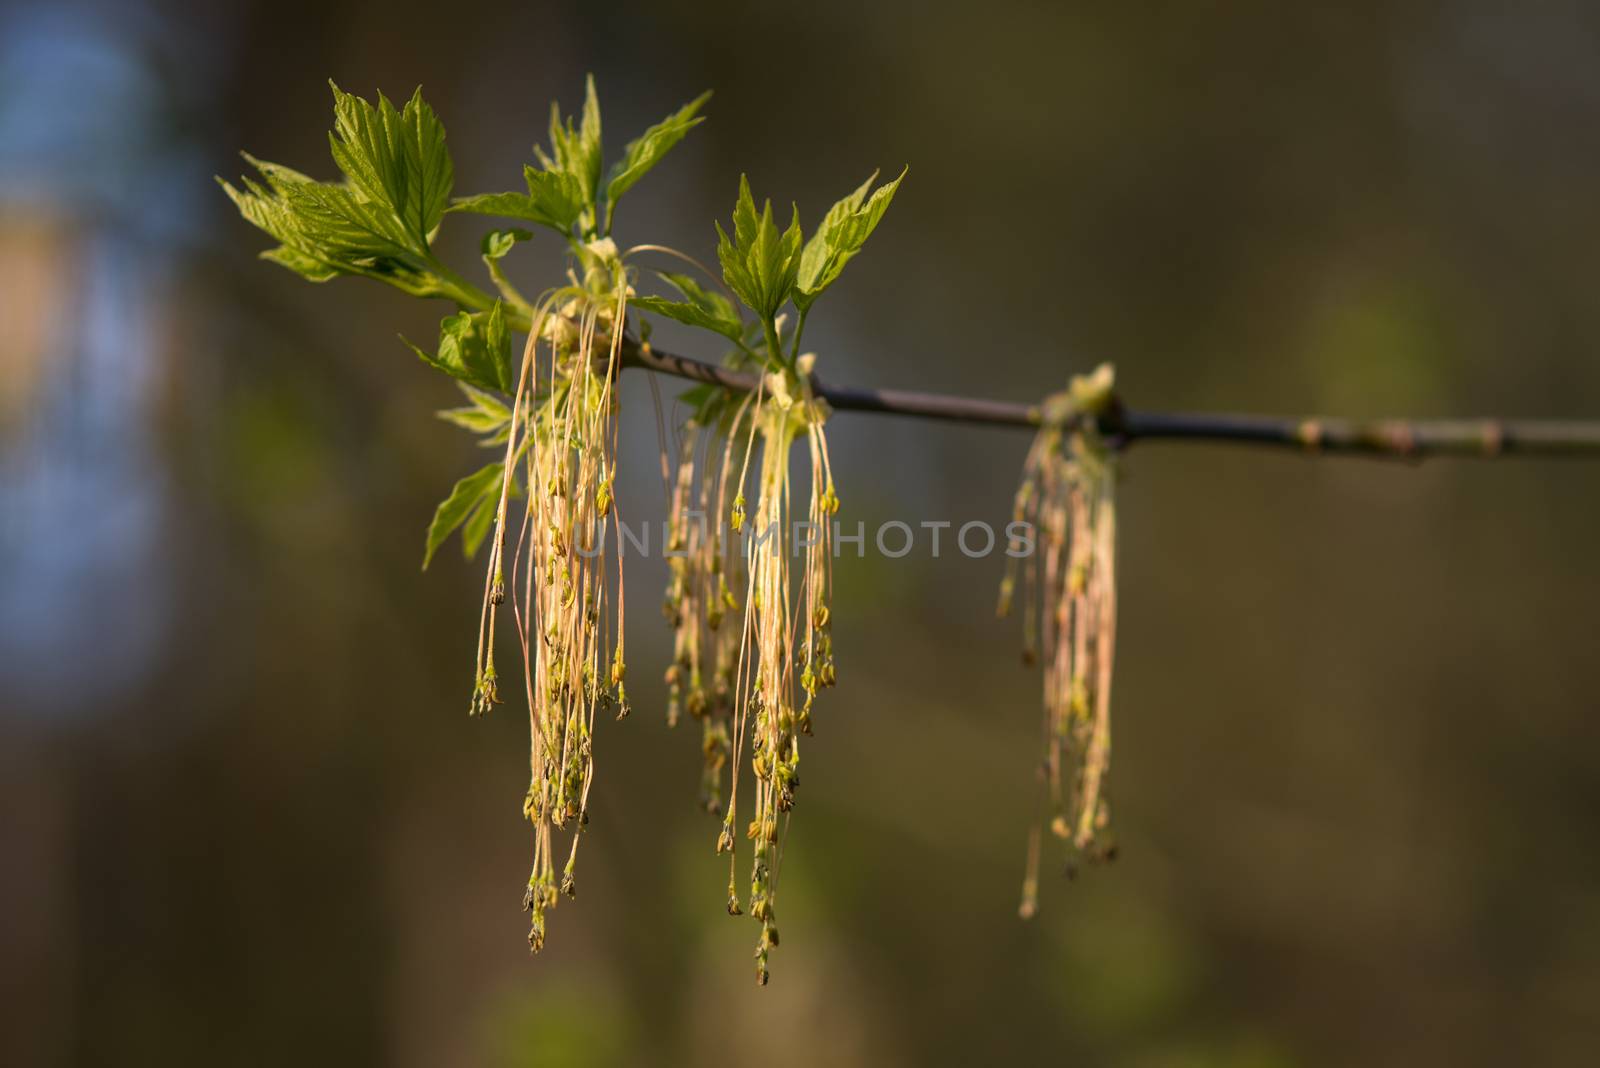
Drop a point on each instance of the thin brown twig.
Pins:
(1394, 438)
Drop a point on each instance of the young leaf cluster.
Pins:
(570, 192)
(381, 218)
(767, 268)
(380, 221)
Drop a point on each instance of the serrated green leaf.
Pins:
(454, 509)
(325, 229)
(645, 151)
(554, 199)
(474, 347)
(689, 314)
(395, 158)
(505, 205)
(376, 224)
(477, 526)
(710, 405)
(589, 154)
(576, 152)
(709, 299)
(497, 346)
(695, 396)
(702, 307)
(779, 260)
(745, 217)
(471, 419)
(308, 267)
(843, 232)
(734, 271)
(485, 414)
(334, 218)
(759, 264)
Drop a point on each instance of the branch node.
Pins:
(1494, 438)
(1309, 434)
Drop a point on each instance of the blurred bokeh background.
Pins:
(244, 818)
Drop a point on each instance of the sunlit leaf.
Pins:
(703, 307)
(844, 230)
(454, 509)
(395, 158)
(496, 243)
(474, 347)
(477, 525)
(647, 150)
(759, 263)
(484, 415)
(554, 199)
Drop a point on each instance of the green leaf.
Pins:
(745, 218)
(395, 158)
(759, 264)
(710, 299)
(474, 347)
(497, 347)
(844, 230)
(379, 222)
(483, 484)
(327, 230)
(308, 267)
(646, 151)
(554, 199)
(778, 258)
(484, 415)
(687, 313)
(576, 152)
(710, 405)
(695, 396)
(588, 153)
(703, 307)
(496, 243)
(477, 526)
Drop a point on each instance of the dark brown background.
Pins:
(245, 820)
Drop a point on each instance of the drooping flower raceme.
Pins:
(561, 594)
(1067, 495)
(734, 461)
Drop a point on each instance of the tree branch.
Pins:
(1395, 438)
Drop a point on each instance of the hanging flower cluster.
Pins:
(561, 595)
(706, 568)
(786, 652)
(1067, 495)
(741, 610)
(750, 604)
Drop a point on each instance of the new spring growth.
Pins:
(752, 642)
(1068, 493)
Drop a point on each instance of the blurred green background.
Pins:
(244, 818)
